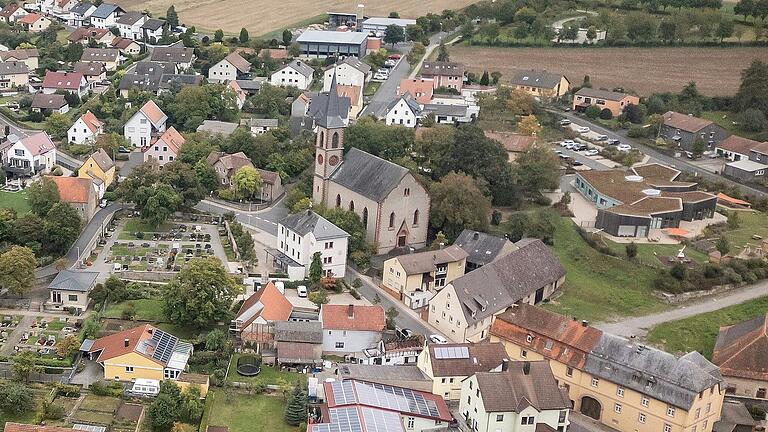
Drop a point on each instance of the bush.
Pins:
(100, 388)
(606, 114)
(353, 292)
(638, 132)
(631, 250)
(67, 390)
(592, 112)
(129, 312)
(361, 259)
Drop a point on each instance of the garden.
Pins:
(237, 411)
(15, 201)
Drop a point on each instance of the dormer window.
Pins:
(529, 338)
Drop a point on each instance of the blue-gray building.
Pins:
(321, 44)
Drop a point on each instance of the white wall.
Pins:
(402, 115)
(79, 133)
(222, 71)
(301, 250)
(160, 152)
(138, 130)
(288, 76)
(345, 75)
(354, 341)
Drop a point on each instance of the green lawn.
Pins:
(648, 253)
(14, 200)
(597, 286)
(247, 413)
(268, 375)
(751, 223)
(146, 310)
(136, 225)
(371, 88)
(698, 333)
(725, 120)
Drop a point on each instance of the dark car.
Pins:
(614, 142)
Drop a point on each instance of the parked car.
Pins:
(582, 129)
(404, 333)
(436, 338)
(565, 122)
(592, 152)
(567, 143)
(614, 141)
(302, 291)
(562, 156)
(123, 150)
(577, 163)
(623, 147)
(390, 63)
(381, 74)
(394, 56)
(579, 147)
(601, 138)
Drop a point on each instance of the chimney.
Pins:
(584, 323)
(504, 365)
(351, 311)
(126, 342)
(526, 368)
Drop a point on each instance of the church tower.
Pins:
(329, 143)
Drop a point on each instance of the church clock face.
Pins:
(319, 159)
(333, 160)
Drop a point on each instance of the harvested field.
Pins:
(263, 16)
(716, 71)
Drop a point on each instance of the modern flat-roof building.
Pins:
(321, 44)
(378, 25)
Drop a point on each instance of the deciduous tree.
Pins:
(61, 226)
(529, 125)
(458, 202)
(394, 34)
(17, 270)
(246, 182)
(42, 195)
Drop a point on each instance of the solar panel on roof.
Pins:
(381, 421)
(395, 398)
(164, 345)
(459, 352)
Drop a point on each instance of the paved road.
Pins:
(264, 220)
(639, 326)
(15, 128)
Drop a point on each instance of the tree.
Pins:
(753, 120)
(392, 313)
(316, 268)
(753, 88)
(244, 36)
(294, 50)
(394, 34)
(62, 227)
(218, 35)
(22, 365)
(606, 114)
(520, 102)
(73, 52)
(593, 111)
(68, 346)
(484, 79)
(57, 125)
(734, 220)
(42, 195)
(246, 182)
(17, 270)
(667, 30)
(163, 412)
(394, 14)
(569, 32)
(591, 33)
(495, 77)
(319, 297)
(529, 125)
(16, 398)
(296, 408)
(416, 53)
(172, 17)
(723, 246)
(91, 328)
(414, 32)
(442, 53)
(537, 169)
(201, 294)
(160, 204)
(458, 202)
(725, 29)
(216, 340)
(699, 146)
(631, 250)
(287, 37)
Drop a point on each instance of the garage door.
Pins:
(626, 231)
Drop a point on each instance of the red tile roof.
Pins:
(91, 121)
(238, 62)
(153, 112)
(271, 304)
(85, 33)
(8, 10)
(685, 122)
(741, 350)
(38, 143)
(420, 89)
(353, 317)
(62, 80)
(512, 142)
(115, 345)
(173, 139)
(73, 189)
(30, 19)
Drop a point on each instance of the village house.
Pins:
(295, 74)
(350, 404)
(80, 193)
(615, 102)
(109, 56)
(515, 144)
(516, 397)
(70, 82)
(12, 13)
(619, 382)
(215, 127)
(482, 248)
(355, 96)
(28, 56)
(686, 130)
(447, 365)
(31, 155)
(85, 129)
(85, 35)
(253, 321)
(106, 15)
(231, 67)
(152, 29)
(49, 103)
(414, 278)
(226, 165)
(736, 148)
(349, 329)
(80, 14)
(321, 44)
(239, 94)
(631, 203)
(13, 76)
(165, 148)
(129, 25)
(271, 185)
(148, 121)
(449, 113)
(395, 351)
(70, 289)
(94, 72)
(735, 417)
(740, 352)
(754, 167)
(99, 167)
(541, 84)
(444, 74)
(465, 309)
(61, 8)
(34, 23)
(349, 72)
(299, 342)
(259, 126)
(126, 46)
(181, 56)
(403, 111)
(421, 89)
(168, 82)
(300, 236)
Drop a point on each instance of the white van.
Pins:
(145, 387)
(302, 291)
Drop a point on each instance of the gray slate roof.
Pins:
(410, 101)
(496, 286)
(68, 280)
(81, 8)
(308, 221)
(12, 68)
(130, 17)
(174, 54)
(368, 175)
(299, 331)
(532, 78)
(153, 24)
(48, 101)
(182, 79)
(249, 85)
(373, 373)
(100, 54)
(329, 110)
(153, 67)
(514, 390)
(676, 381)
(357, 64)
(259, 122)
(217, 127)
(300, 67)
(601, 94)
(482, 248)
(105, 10)
(446, 110)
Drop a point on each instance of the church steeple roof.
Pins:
(331, 114)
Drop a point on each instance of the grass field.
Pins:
(268, 375)
(644, 70)
(146, 310)
(698, 333)
(648, 253)
(751, 224)
(14, 200)
(246, 413)
(264, 16)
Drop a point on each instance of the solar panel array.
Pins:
(381, 421)
(454, 352)
(395, 398)
(344, 392)
(342, 420)
(348, 420)
(164, 345)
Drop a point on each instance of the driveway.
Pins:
(264, 220)
(91, 374)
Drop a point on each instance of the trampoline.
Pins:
(249, 365)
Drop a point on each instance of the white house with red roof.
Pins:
(165, 148)
(263, 307)
(34, 23)
(72, 82)
(148, 121)
(240, 94)
(12, 12)
(86, 129)
(30, 155)
(349, 329)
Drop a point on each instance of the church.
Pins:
(392, 204)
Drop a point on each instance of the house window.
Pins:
(693, 428)
(129, 369)
(617, 408)
(411, 422)
(365, 217)
(72, 297)
(644, 401)
(338, 200)
(527, 420)
(595, 382)
(667, 428)
(709, 407)
(523, 353)
(529, 338)
(416, 217)
(499, 417)
(704, 426)
(620, 391)
(351, 206)
(641, 418)
(569, 371)
(670, 411)
(392, 220)
(561, 416)
(339, 345)
(407, 192)
(329, 245)
(697, 414)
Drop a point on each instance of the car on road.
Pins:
(577, 163)
(301, 290)
(591, 152)
(562, 156)
(623, 147)
(436, 338)
(582, 129)
(601, 138)
(404, 333)
(579, 147)
(567, 143)
(565, 122)
(614, 141)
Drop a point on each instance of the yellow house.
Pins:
(143, 352)
(98, 166)
(619, 382)
(414, 278)
(541, 84)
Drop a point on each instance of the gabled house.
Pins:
(28, 56)
(447, 365)
(231, 67)
(13, 76)
(80, 14)
(169, 82)
(272, 185)
(404, 111)
(152, 29)
(70, 289)
(109, 56)
(685, 130)
(226, 165)
(615, 102)
(466, 307)
(299, 342)
(259, 126)
(34, 23)
(148, 121)
(405, 376)
(349, 329)
(444, 74)
(127, 47)
(297, 74)
(415, 277)
(541, 84)
(355, 96)
(303, 234)
(740, 351)
(85, 35)
(252, 86)
(33, 154)
(263, 308)
(129, 25)
(94, 72)
(515, 144)
(736, 148)
(349, 72)
(165, 148)
(106, 15)
(61, 8)
(99, 167)
(240, 94)
(49, 103)
(80, 193)
(421, 89)
(85, 129)
(396, 351)
(181, 56)
(482, 248)
(70, 82)
(12, 13)
(215, 127)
